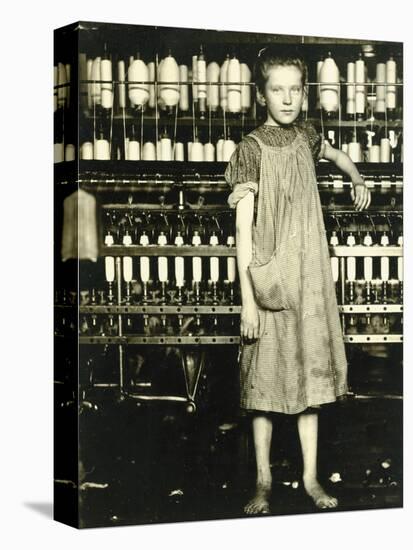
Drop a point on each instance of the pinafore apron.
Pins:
(299, 359)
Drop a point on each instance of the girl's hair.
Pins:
(276, 55)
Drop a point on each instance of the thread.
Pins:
(380, 105)
(209, 152)
(70, 152)
(374, 153)
(179, 151)
(329, 75)
(234, 87)
(213, 89)
(89, 65)
(86, 151)
(189, 150)
(194, 78)
(385, 150)
(227, 150)
(58, 152)
(101, 149)
(354, 151)
(201, 79)
(220, 150)
(106, 87)
(133, 150)
(96, 85)
(165, 149)
(360, 99)
(197, 152)
(169, 73)
(391, 78)
(162, 260)
(149, 151)
(109, 269)
(246, 88)
(151, 78)
(138, 91)
(179, 271)
(223, 89)
(121, 86)
(183, 88)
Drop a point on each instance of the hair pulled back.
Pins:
(275, 55)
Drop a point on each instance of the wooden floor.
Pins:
(149, 464)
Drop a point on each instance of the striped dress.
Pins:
(299, 359)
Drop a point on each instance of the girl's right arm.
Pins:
(249, 310)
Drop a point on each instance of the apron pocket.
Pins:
(268, 285)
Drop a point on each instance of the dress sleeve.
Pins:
(315, 140)
(243, 171)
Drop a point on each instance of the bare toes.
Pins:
(249, 509)
(320, 498)
(325, 501)
(257, 507)
(333, 502)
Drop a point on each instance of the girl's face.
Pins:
(283, 95)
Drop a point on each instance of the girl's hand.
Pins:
(250, 322)
(360, 195)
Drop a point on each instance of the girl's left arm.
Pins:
(360, 193)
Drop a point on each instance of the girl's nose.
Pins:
(287, 97)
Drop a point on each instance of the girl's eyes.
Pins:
(294, 89)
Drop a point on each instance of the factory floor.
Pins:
(155, 463)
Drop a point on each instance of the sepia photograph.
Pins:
(203, 278)
(228, 274)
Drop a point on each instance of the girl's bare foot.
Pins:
(259, 504)
(320, 497)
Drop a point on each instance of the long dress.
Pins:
(299, 359)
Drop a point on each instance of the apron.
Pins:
(299, 360)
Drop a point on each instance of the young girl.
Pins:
(293, 357)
